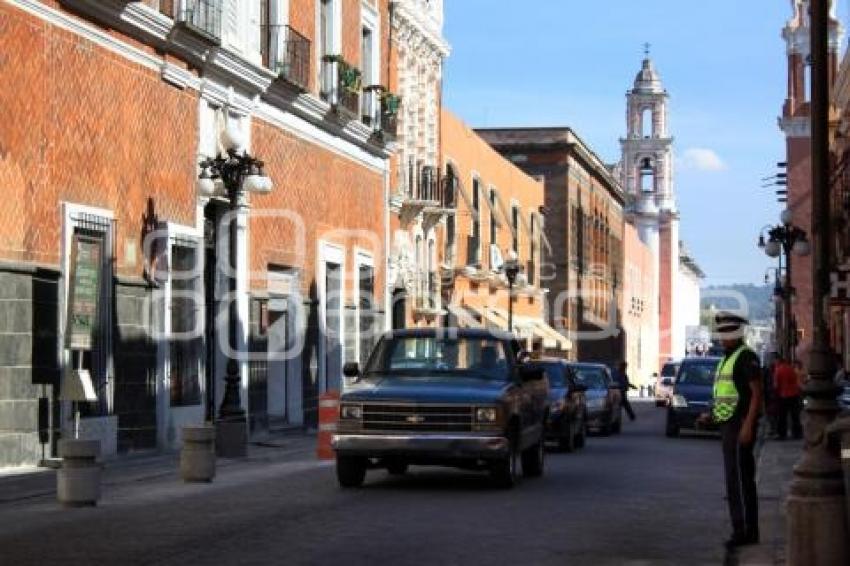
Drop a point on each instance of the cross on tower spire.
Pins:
(646, 48)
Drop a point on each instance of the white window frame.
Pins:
(69, 211)
(362, 258)
(371, 19)
(174, 232)
(330, 253)
(336, 35)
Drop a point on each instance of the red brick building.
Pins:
(795, 123)
(113, 106)
(584, 225)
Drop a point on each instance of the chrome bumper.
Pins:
(430, 445)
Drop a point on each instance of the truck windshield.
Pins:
(417, 355)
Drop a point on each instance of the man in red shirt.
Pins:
(786, 383)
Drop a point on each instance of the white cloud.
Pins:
(701, 159)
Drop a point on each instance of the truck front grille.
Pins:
(417, 418)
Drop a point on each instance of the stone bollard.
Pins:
(197, 458)
(78, 479)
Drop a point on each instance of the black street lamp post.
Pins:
(815, 506)
(512, 269)
(239, 173)
(784, 239)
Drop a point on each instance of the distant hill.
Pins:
(758, 298)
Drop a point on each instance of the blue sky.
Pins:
(566, 62)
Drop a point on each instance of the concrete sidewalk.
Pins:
(775, 468)
(20, 485)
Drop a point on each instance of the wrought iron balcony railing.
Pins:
(287, 52)
(203, 16)
(341, 84)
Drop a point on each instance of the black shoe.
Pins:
(739, 539)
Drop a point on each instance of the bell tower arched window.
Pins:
(646, 122)
(647, 175)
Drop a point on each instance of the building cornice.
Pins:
(796, 127)
(226, 79)
(404, 15)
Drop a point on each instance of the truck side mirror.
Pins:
(351, 369)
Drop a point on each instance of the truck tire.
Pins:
(505, 472)
(581, 435)
(671, 429)
(533, 459)
(350, 471)
(567, 441)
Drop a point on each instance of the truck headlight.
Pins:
(486, 415)
(679, 402)
(351, 412)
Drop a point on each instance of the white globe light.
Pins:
(232, 138)
(773, 248)
(206, 186)
(512, 255)
(252, 183)
(787, 216)
(267, 184)
(802, 248)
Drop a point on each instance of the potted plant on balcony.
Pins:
(390, 103)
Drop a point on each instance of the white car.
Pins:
(664, 384)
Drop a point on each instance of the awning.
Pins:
(524, 326)
(552, 339)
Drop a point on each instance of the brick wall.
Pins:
(68, 134)
(332, 197)
(800, 203)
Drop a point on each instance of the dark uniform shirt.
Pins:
(747, 369)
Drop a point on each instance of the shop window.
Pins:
(184, 358)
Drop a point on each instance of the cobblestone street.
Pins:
(632, 499)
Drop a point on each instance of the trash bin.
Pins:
(78, 478)
(197, 458)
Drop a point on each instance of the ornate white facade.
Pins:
(647, 175)
(415, 195)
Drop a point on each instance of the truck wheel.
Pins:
(533, 460)
(567, 442)
(505, 472)
(617, 426)
(350, 471)
(581, 435)
(672, 428)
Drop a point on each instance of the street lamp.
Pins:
(783, 240)
(815, 506)
(239, 174)
(512, 269)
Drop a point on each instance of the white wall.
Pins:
(687, 309)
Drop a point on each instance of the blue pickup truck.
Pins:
(464, 398)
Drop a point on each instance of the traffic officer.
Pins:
(738, 393)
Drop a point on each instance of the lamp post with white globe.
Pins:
(238, 174)
(783, 240)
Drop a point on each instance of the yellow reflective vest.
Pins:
(725, 392)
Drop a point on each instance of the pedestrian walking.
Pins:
(622, 379)
(737, 403)
(787, 383)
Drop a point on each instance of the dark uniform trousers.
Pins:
(740, 466)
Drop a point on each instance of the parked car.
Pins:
(692, 394)
(664, 385)
(449, 397)
(567, 423)
(604, 398)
